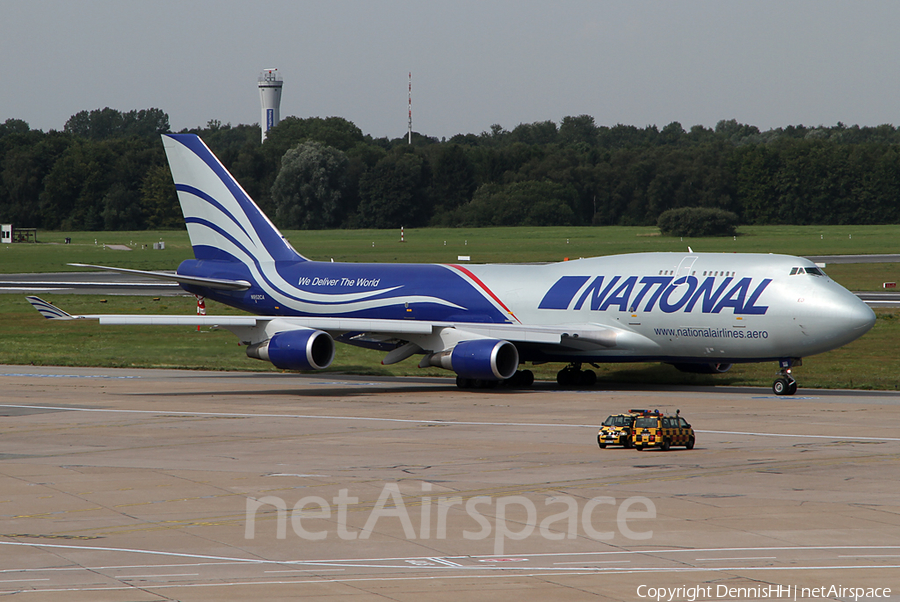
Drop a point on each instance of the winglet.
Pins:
(48, 310)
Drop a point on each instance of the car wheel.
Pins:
(690, 443)
(665, 445)
(601, 444)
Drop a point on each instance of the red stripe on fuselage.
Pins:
(485, 289)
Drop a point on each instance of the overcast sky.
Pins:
(473, 63)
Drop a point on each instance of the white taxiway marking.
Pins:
(151, 576)
(307, 570)
(743, 558)
(803, 436)
(596, 562)
(69, 376)
(445, 562)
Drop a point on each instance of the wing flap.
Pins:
(340, 325)
(568, 335)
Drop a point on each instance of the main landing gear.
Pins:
(573, 376)
(522, 379)
(785, 383)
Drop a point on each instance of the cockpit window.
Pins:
(807, 270)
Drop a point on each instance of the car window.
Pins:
(645, 422)
(683, 423)
(609, 421)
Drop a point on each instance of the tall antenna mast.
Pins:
(410, 107)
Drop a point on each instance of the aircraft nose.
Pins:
(833, 317)
(850, 315)
(863, 317)
(859, 317)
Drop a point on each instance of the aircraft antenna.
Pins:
(410, 107)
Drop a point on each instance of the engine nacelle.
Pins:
(483, 359)
(703, 368)
(301, 349)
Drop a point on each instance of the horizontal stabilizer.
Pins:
(214, 283)
(48, 310)
(163, 320)
(51, 312)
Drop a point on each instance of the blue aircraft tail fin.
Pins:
(222, 220)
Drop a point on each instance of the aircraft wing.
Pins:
(399, 327)
(571, 335)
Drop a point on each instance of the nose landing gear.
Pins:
(785, 383)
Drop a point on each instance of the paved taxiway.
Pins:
(134, 485)
(91, 283)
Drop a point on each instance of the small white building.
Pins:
(5, 234)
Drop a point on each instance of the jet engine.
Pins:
(301, 349)
(703, 368)
(481, 359)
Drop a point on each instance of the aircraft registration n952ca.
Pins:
(701, 312)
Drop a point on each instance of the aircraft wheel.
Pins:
(465, 383)
(792, 388)
(587, 378)
(527, 378)
(522, 379)
(565, 377)
(780, 386)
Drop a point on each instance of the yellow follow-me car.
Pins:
(652, 429)
(616, 429)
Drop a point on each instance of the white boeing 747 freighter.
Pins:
(701, 312)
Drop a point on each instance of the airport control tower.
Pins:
(270, 99)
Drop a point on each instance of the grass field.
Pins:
(444, 245)
(873, 362)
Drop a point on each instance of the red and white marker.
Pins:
(201, 308)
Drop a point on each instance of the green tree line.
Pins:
(106, 170)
